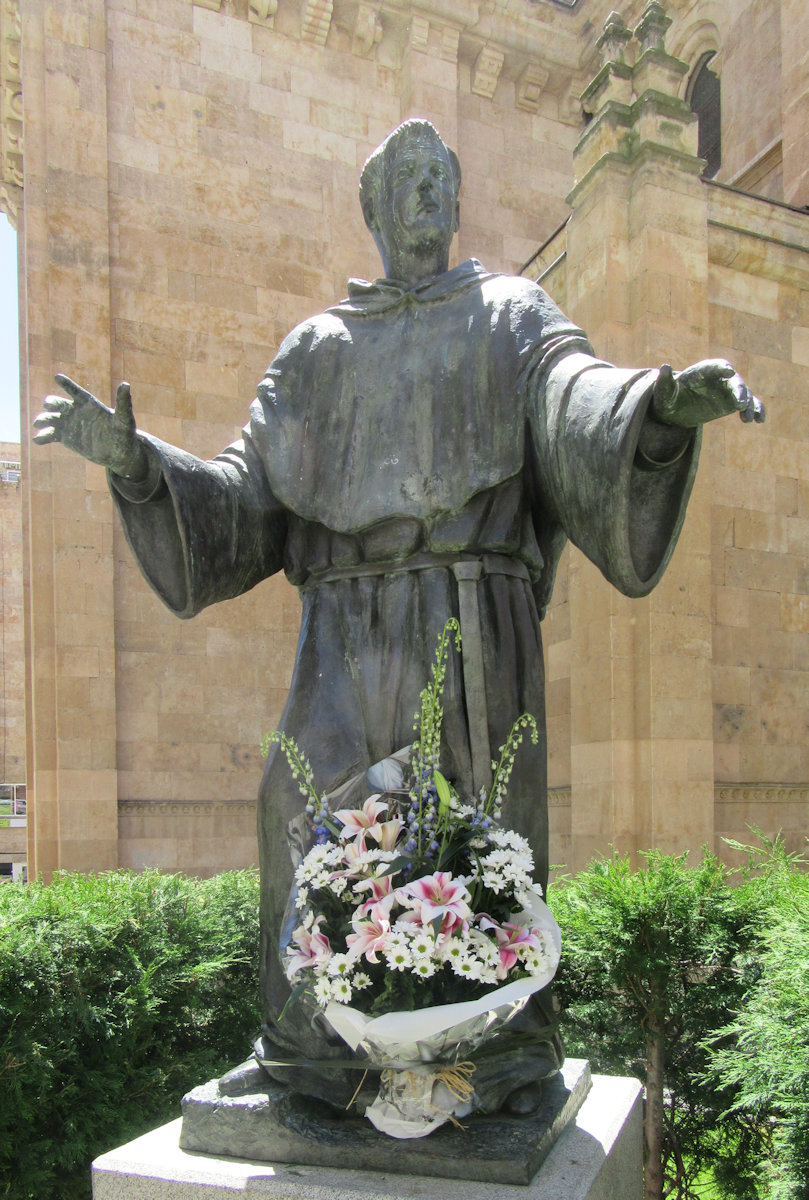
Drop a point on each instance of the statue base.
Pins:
(598, 1156)
(272, 1124)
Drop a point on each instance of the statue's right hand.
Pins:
(103, 435)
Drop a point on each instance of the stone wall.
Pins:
(759, 316)
(187, 193)
(12, 645)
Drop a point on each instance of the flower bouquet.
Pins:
(417, 929)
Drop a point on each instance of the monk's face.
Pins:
(419, 210)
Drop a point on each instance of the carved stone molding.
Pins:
(430, 37)
(262, 12)
(530, 85)
(762, 793)
(316, 20)
(188, 807)
(559, 797)
(486, 71)
(11, 135)
(367, 31)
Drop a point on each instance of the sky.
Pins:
(9, 335)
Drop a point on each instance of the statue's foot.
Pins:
(525, 1101)
(244, 1080)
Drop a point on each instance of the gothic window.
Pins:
(704, 98)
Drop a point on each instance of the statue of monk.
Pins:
(421, 450)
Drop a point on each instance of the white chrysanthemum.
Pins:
(422, 945)
(504, 869)
(339, 884)
(323, 990)
(424, 967)
(397, 952)
(360, 981)
(468, 967)
(536, 962)
(301, 901)
(488, 974)
(453, 949)
(508, 839)
(339, 964)
(341, 991)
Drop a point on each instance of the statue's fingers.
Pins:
(45, 418)
(665, 388)
(74, 390)
(56, 404)
(123, 403)
(44, 435)
(759, 415)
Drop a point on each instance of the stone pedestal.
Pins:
(599, 1157)
(268, 1123)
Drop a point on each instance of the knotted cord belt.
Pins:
(468, 571)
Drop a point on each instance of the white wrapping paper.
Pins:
(413, 1100)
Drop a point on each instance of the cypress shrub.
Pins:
(653, 961)
(763, 1054)
(118, 993)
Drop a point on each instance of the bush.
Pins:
(763, 1055)
(118, 993)
(653, 961)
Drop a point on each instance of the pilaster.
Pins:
(70, 645)
(637, 272)
(795, 100)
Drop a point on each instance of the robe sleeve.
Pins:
(201, 531)
(605, 471)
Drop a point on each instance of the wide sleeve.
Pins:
(202, 531)
(606, 474)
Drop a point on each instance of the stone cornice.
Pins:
(10, 110)
(538, 49)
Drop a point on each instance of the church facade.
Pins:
(183, 177)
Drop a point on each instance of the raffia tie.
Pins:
(457, 1081)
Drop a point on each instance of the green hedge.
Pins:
(763, 1054)
(695, 979)
(653, 961)
(118, 993)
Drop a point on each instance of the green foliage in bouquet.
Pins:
(118, 993)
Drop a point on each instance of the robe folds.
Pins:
(394, 436)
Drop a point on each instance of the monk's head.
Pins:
(409, 195)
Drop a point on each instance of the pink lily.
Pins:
(388, 833)
(314, 950)
(369, 936)
(439, 895)
(357, 858)
(511, 939)
(383, 896)
(361, 820)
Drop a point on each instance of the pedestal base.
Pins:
(271, 1124)
(599, 1157)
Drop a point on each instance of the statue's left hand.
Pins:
(701, 393)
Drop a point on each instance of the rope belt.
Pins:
(468, 570)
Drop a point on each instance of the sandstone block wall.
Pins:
(187, 194)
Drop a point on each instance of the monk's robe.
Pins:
(414, 454)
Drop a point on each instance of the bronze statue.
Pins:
(420, 450)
